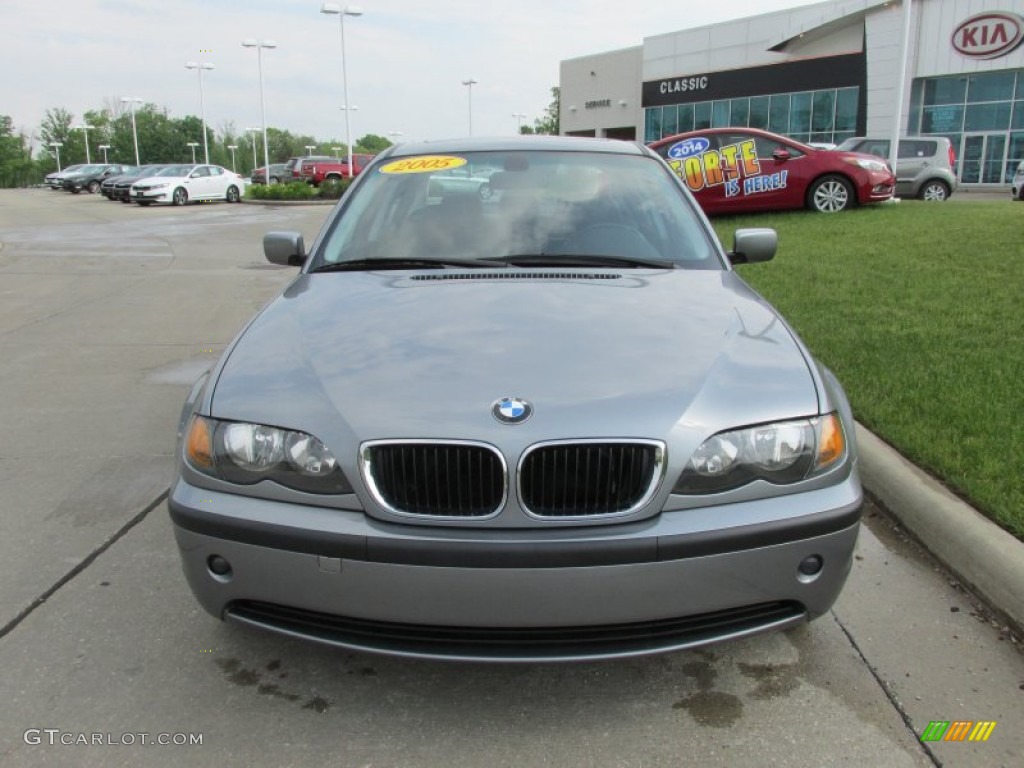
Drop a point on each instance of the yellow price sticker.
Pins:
(423, 164)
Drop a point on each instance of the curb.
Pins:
(977, 550)
(288, 202)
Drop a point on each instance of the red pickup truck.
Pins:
(318, 172)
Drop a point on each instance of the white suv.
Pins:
(924, 167)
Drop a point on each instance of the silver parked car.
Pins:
(925, 165)
(552, 424)
(1017, 186)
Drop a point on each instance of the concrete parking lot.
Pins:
(107, 314)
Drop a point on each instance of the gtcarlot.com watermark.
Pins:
(57, 737)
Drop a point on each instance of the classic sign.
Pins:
(988, 35)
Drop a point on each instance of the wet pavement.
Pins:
(108, 312)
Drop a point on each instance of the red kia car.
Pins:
(736, 170)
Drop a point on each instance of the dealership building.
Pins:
(822, 73)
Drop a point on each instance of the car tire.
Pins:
(232, 195)
(485, 191)
(274, 180)
(830, 194)
(74, 191)
(93, 187)
(124, 200)
(180, 196)
(934, 190)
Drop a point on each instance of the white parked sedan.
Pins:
(180, 184)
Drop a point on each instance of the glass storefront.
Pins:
(982, 114)
(827, 116)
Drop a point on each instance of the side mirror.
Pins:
(781, 155)
(286, 249)
(753, 245)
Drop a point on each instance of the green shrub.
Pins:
(329, 190)
(332, 189)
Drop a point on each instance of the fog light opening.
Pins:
(219, 567)
(810, 568)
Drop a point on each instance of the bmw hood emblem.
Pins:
(512, 410)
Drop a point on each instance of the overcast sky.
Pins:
(407, 59)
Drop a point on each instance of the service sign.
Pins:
(989, 35)
(734, 167)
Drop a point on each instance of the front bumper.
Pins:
(477, 594)
(151, 195)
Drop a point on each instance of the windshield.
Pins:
(176, 170)
(494, 205)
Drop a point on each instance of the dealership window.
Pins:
(828, 115)
(759, 106)
(963, 108)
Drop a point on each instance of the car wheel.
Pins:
(180, 196)
(274, 180)
(485, 191)
(122, 199)
(74, 191)
(93, 186)
(232, 194)
(830, 194)
(934, 190)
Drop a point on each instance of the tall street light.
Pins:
(104, 147)
(395, 135)
(519, 121)
(469, 84)
(252, 135)
(133, 100)
(233, 147)
(193, 145)
(335, 8)
(347, 109)
(56, 148)
(259, 45)
(85, 130)
(199, 67)
(309, 149)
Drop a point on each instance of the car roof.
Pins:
(504, 144)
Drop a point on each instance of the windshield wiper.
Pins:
(580, 260)
(356, 265)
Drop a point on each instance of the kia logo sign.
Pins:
(989, 35)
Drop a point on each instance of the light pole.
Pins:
(133, 100)
(519, 121)
(233, 147)
(193, 144)
(394, 136)
(259, 45)
(253, 132)
(347, 109)
(309, 149)
(104, 147)
(469, 84)
(199, 67)
(56, 148)
(334, 8)
(336, 150)
(85, 130)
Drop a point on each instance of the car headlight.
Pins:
(158, 186)
(246, 454)
(781, 453)
(867, 163)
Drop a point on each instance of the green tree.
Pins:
(17, 168)
(371, 144)
(550, 122)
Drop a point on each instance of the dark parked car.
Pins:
(735, 170)
(278, 173)
(54, 180)
(550, 424)
(121, 185)
(90, 177)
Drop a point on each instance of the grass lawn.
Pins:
(919, 310)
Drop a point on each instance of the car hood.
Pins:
(376, 355)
